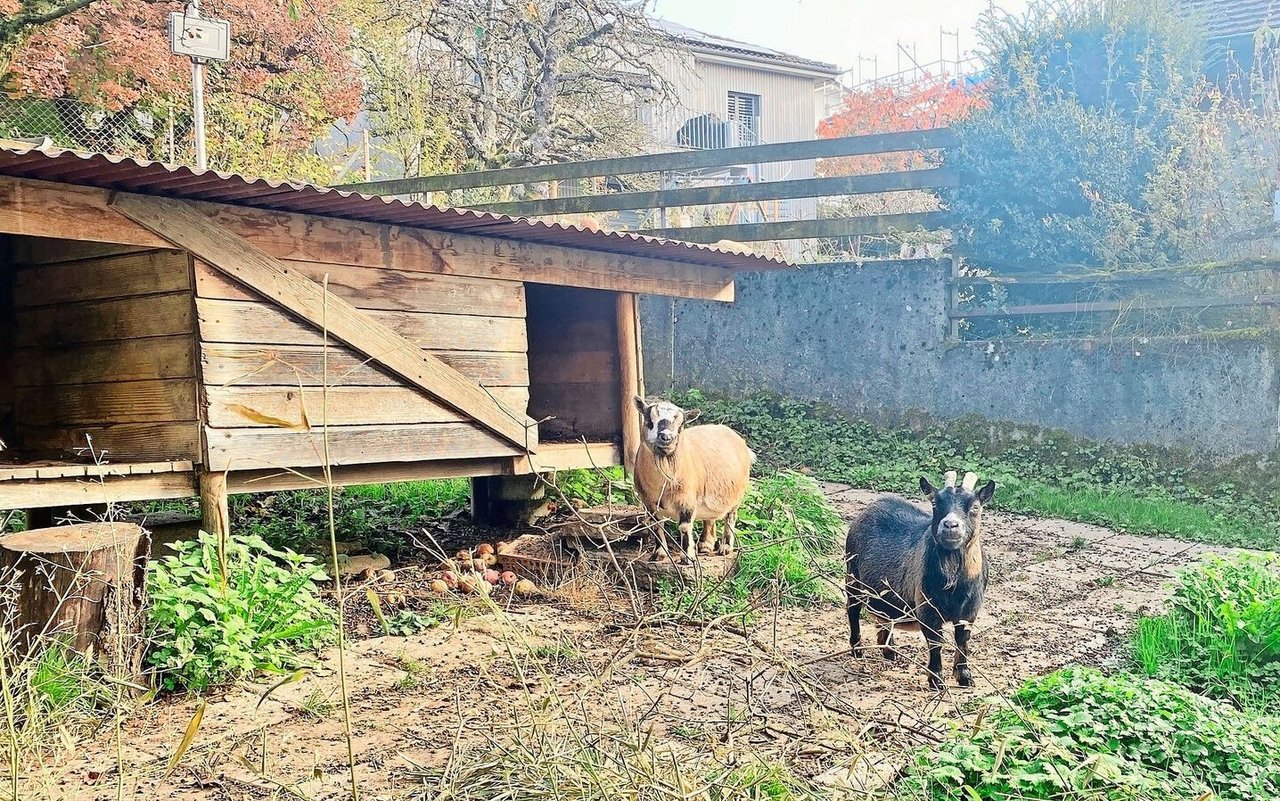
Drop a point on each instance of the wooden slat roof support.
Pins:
(177, 222)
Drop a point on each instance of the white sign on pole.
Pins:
(197, 37)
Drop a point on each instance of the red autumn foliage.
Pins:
(932, 103)
(288, 59)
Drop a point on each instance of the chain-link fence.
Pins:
(157, 135)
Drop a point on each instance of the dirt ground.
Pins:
(787, 688)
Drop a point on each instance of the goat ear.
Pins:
(987, 492)
(641, 406)
(927, 488)
(692, 414)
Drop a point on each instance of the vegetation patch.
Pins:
(1079, 734)
(1047, 473)
(789, 541)
(1221, 633)
(213, 620)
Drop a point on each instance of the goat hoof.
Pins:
(935, 683)
(724, 550)
(964, 678)
(706, 549)
(889, 653)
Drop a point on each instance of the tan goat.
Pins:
(698, 473)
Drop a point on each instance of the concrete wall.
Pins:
(871, 340)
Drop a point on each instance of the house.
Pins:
(729, 94)
(1233, 27)
(168, 332)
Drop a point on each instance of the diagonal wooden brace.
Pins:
(188, 229)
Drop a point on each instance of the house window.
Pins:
(744, 116)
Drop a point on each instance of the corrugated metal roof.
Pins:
(1224, 18)
(697, 38)
(153, 178)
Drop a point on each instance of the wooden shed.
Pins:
(206, 333)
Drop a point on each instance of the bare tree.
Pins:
(535, 81)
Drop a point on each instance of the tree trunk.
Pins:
(82, 584)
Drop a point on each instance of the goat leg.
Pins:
(964, 677)
(708, 544)
(931, 627)
(729, 542)
(686, 537)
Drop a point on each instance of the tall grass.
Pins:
(1221, 633)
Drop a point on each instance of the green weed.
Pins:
(407, 622)
(1221, 634)
(1078, 734)
(207, 629)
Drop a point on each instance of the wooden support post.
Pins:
(82, 583)
(215, 511)
(631, 379)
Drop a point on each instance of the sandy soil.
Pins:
(1062, 593)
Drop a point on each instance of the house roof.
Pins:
(706, 41)
(167, 180)
(1226, 18)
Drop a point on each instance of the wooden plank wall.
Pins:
(104, 340)
(573, 363)
(264, 371)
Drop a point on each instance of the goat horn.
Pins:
(951, 478)
(970, 481)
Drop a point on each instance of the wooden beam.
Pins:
(683, 160)
(735, 193)
(275, 448)
(41, 208)
(629, 381)
(571, 456)
(303, 366)
(247, 481)
(80, 492)
(803, 229)
(197, 234)
(1147, 304)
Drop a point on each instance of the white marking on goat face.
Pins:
(662, 425)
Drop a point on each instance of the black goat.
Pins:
(917, 571)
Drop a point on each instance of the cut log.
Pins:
(81, 584)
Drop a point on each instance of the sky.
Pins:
(839, 31)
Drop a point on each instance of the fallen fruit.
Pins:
(478, 565)
(467, 584)
(439, 587)
(484, 548)
(525, 587)
(463, 557)
(505, 547)
(483, 588)
(450, 579)
(508, 578)
(491, 576)
(386, 575)
(490, 559)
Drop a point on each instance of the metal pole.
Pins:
(368, 168)
(197, 99)
(197, 109)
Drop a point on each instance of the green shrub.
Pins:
(1079, 734)
(1085, 98)
(1221, 634)
(208, 631)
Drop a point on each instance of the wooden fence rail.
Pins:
(694, 160)
(1118, 280)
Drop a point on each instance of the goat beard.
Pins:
(951, 564)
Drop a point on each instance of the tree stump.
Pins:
(81, 584)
